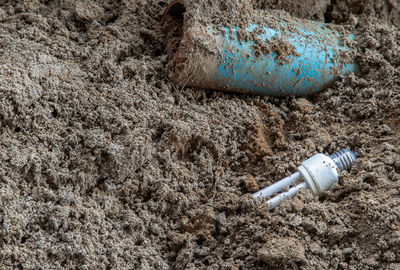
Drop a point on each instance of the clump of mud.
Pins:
(106, 164)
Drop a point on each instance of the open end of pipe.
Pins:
(173, 20)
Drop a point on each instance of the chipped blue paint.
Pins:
(315, 64)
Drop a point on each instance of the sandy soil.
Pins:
(105, 164)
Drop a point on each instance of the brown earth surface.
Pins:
(105, 164)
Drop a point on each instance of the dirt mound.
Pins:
(105, 164)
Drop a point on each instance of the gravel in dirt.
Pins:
(105, 164)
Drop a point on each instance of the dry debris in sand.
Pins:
(105, 165)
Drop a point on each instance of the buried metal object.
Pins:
(287, 57)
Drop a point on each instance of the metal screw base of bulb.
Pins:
(344, 159)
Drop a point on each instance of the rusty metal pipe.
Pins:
(297, 57)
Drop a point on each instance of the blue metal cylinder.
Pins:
(294, 57)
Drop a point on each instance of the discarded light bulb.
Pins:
(320, 172)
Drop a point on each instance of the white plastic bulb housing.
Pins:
(320, 172)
